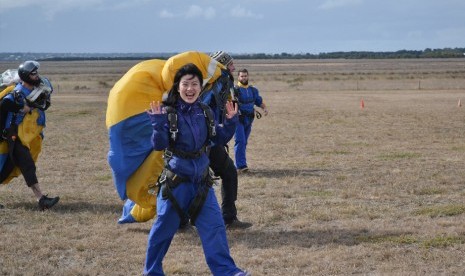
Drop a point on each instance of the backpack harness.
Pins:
(13, 128)
(242, 115)
(168, 180)
(221, 96)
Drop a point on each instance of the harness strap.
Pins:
(169, 180)
(169, 152)
(248, 101)
(173, 122)
(199, 200)
(221, 96)
(242, 117)
(208, 113)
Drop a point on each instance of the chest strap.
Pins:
(169, 152)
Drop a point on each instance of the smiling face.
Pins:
(189, 88)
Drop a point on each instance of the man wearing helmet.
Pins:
(25, 106)
(220, 161)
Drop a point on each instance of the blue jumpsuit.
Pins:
(220, 161)
(24, 92)
(248, 97)
(192, 136)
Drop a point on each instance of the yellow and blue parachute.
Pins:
(29, 130)
(4, 145)
(135, 165)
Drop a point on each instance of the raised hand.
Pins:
(155, 108)
(231, 109)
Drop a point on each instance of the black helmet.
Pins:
(25, 70)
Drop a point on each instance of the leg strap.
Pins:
(169, 180)
(199, 200)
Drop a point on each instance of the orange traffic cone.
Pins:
(459, 104)
(362, 104)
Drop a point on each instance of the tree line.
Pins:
(427, 53)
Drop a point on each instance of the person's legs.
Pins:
(23, 159)
(223, 166)
(212, 233)
(164, 228)
(239, 146)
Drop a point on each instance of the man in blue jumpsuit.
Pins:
(248, 97)
(220, 161)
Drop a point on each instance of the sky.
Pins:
(236, 26)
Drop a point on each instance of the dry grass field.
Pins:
(334, 189)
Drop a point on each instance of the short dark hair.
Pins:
(188, 69)
(243, 71)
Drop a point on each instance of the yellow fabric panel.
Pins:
(29, 133)
(28, 130)
(138, 185)
(7, 90)
(209, 67)
(35, 147)
(133, 93)
(143, 214)
(3, 147)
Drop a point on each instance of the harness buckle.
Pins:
(213, 128)
(162, 178)
(174, 133)
(168, 154)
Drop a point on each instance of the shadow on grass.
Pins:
(77, 207)
(70, 207)
(306, 239)
(303, 239)
(279, 173)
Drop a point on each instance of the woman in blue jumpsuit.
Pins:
(191, 139)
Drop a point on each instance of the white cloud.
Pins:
(52, 7)
(129, 4)
(166, 14)
(334, 4)
(210, 13)
(6, 5)
(195, 11)
(242, 12)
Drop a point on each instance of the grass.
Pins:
(441, 211)
(333, 189)
(398, 155)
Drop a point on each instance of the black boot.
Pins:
(46, 202)
(237, 224)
